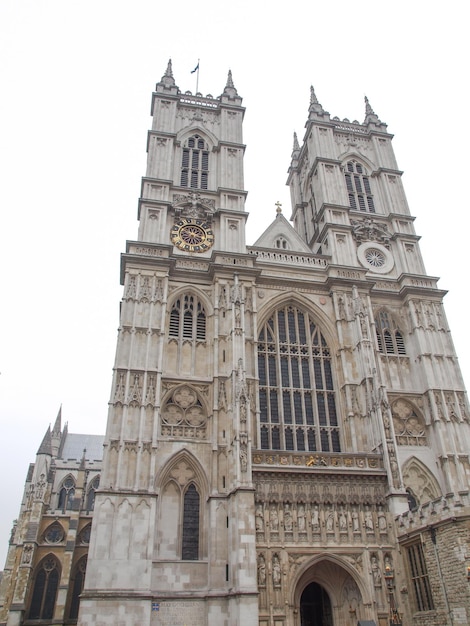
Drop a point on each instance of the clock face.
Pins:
(192, 235)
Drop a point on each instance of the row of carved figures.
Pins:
(330, 517)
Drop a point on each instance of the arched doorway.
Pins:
(315, 606)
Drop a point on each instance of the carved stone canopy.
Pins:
(369, 230)
(193, 205)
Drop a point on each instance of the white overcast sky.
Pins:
(76, 79)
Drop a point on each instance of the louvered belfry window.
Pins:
(188, 319)
(195, 163)
(358, 188)
(296, 396)
(389, 336)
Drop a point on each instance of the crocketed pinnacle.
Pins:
(230, 87)
(296, 143)
(167, 78)
(371, 115)
(313, 97)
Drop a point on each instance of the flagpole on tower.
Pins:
(196, 69)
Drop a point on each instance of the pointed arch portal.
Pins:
(315, 606)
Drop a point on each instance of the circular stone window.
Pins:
(375, 257)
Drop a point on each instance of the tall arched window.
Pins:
(46, 582)
(66, 494)
(389, 336)
(90, 498)
(296, 395)
(195, 163)
(190, 534)
(188, 319)
(76, 587)
(358, 188)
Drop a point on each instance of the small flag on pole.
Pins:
(195, 69)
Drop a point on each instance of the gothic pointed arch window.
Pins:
(180, 534)
(389, 336)
(190, 530)
(76, 587)
(296, 388)
(195, 163)
(358, 187)
(91, 493)
(66, 495)
(188, 318)
(45, 586)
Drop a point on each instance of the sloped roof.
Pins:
(74, 445)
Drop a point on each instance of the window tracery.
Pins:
(77, 582)
(45, 586)
(195, 163)
(389, 336)
(90, 499)
(296, 394)
(358, 188)
(66, 495)
(183, 415)
(188, 319)
(410, 429)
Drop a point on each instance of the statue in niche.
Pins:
(382, 521)
(330, 520)
(376, 573)
(341, 308)
(261, 570)
(315, 518)
(355, 521)
(343, 521)
(274, 518)
(243, 457)
(27, 554)
(368, 521)
(40, 487)
(259, 518)
(301, 518)
(287, 518)
(276, 571)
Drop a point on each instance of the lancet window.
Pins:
(90, 498)
(66, 494)
(297, 395)
(190, 534)
(358, 188)
(195, 163)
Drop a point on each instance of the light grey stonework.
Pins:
(287, 440)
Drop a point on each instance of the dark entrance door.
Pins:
(315, 607)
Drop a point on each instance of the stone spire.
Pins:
(46, 444)
(58, 424)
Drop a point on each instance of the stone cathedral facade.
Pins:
(288, 432)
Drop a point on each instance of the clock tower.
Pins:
(174, 533)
